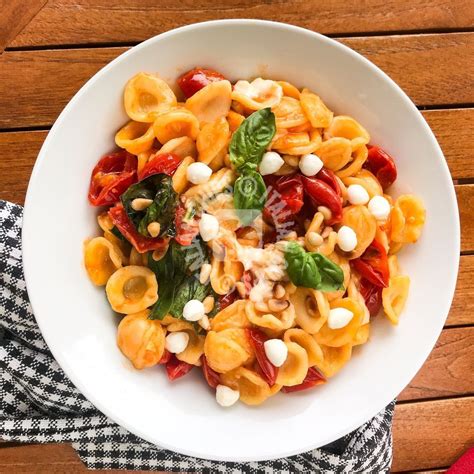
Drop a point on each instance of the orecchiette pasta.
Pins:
(311, 309)
(135, 137)
(252, 387)
(318, 114)
(101, 259)
(364, 225)
(407, 219)
(295, 368)
(212, 102)
(395, 296)
(176, 123)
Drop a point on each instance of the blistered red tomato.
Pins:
(320, 193)
(381, 164)
(165, 163)
(211, 376)
(166, 357)
(197, 78)
(313, 378)
(373, 264)
(372, 295)
(176, 368)
(228, 299)
(329, 178)
(186, 230)
(257, 339)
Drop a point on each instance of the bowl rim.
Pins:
(89, 393)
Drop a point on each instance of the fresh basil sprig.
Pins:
(312, 270)
(250, 194)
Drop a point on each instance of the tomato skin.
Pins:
(322, 194)
(373, 264)
(372, 295)
(381, 164)
(141, 243)
(211, 376)
(111, 176)
(197, 78)
(228, 299)
(185, 231)
(313, 378)
(257, 339)
(166, 357)
(329, 178)
(176, 368)
(165, 163)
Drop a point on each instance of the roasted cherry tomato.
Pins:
(313, 378)
(111, 176)
(141, 243)
(269, 371)
(381, 164)
(185, 230)
(165, 163)
(322, 194)
(373, 264)
(197, 78)
(211, 376)
(176, 368)
(372, 295)
(166, 357)
(329, 177)
(228, 299)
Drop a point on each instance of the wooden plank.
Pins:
(462, 309)
(465, 195)
(98, 21)
(430, 434)
(36, 85)
(449, 370)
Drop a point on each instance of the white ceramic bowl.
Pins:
(76, 319)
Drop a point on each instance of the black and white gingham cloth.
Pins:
(38, 403)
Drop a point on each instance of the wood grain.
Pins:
(449, 370)
(462, 309)
(431, 434)
(107, 21)
(36, 85)
(465, 195)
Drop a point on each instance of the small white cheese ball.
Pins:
(276, 351)
(177, 342)
(356, 194)
(193, 310)
(271, 163)
(379, 207)
(208, 227)
(310, 164)
(346, 239)
(198, 173)
(339, 317)
(225, 396)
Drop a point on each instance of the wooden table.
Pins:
(427, 46)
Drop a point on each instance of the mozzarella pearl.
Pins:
(271, 163)
(177, 342)
(379, 207)
(339, 317)
(198, 173)
(310, 164)
(346, 239)
(225, 396)
(193, 310)
(356, 194)
(276, 351)
(208, 227)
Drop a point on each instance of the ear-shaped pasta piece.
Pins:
(275, 321)
(311, 309)
(315, 109)
(395, 247)
(175, 124)
(234, 120)
(222, 206)
(132, 289)
(395, 296)
(327, 248)
(146, 96)
(289, 113)
(258, 94)
(212, 102)
(364, 225)
(119, 244)
(347, 127)
(135, 137)
(290, 140)
(407, 219)
(220, 180)
(253, 389)
(354, 293)
(334, 359)
(141, 340)
(345, 335)
(212, 140)
(233, 316)
(180, 179)
(393, 265)
(346, 269)
(362, 335)
(382, 238)
(225, 274)
(295, 368)
(195, 348)
(289, 90)
(335, 153)
(101, 259)
(359, 155)
(104, 221)
(307, 342)
(182, 146)
(228, 349)
(367, 180)
(137, 258)
(297, 149)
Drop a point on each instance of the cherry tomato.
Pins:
(381, 164)
(373, 264)
(166, 357)
(248, 280)
(185, 230)
(211, 376)
(313, 378)
(322, 194)
(111, 176)
(176, 368)
(329, 177)
(258, 338)
(197, 78)
(228, 299)
(165, 163)
(372, 295)
(141, 243)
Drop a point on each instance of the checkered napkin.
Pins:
(38, 403)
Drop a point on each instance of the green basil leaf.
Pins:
(158, 188)
(301, 268)
(251, 139)
(332, 276)
(190, 289)
(250, 194)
